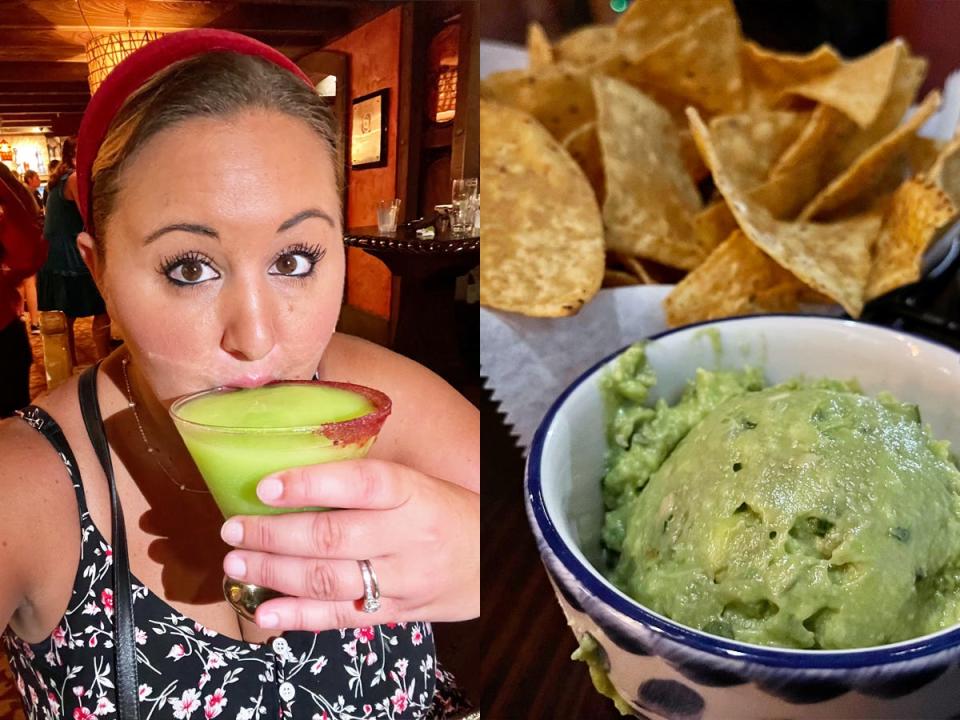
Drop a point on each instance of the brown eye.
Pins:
(287, 264)
(293, 264)
(191, 271)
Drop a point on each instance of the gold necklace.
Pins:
(150, 448)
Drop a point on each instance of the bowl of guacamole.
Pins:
(759, 517)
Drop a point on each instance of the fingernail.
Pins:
(234, 567)
(269, 620)
(270, 488)
(232, 532)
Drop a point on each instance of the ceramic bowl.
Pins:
(664, 669)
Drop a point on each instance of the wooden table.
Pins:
(526, 671)
(423, 315)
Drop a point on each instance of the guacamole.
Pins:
(802, 515)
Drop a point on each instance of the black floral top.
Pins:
(187, 671)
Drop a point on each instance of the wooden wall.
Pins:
(374, 51)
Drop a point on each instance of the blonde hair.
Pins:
(215, 84)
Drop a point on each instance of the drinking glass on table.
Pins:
(388, 211)
(237, 436)
(465, 197)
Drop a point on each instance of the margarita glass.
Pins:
(237, 436)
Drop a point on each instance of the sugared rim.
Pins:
(728, 649)
(344, 432)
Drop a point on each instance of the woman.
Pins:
(225, 275)
(64, 283)
(22, 251)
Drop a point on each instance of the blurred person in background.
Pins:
(28, 289)
(46, 190)
(31, 178)
(64, 283)
(22, 252)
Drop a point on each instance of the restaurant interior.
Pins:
(402, 80)
(404, 68)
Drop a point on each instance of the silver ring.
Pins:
(371, 588)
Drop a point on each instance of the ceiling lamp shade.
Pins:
(105, 52)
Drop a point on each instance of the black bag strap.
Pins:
(125, 632)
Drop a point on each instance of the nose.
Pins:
(247, 317)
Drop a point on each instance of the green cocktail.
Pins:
(237, 436)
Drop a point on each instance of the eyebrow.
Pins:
(208, 231)
(182, 227)
(304, 215)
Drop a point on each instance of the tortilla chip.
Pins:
(650, 199)
(665, 63)
(832, 258)
(736, 278)
(700, 64)
(543, 241)
(807, 151)
(946, 170)
(618, 278)
(714, 224)
(586, 46)
(808, 296)
(584, 146)
(750, 143)
(858, 89)
(863, 177)
(617, 65)
(647, 23)
(767, 72)
(538, 46)
(923, 153)
(558, 96)
(696, 168)
(846, 145)
(637, 269)
(831, 143)
(782, 298)
(918, 208)
(783, 196)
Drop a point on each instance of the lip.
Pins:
(249, 381)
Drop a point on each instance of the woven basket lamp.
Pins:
(105, 52)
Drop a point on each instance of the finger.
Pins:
(317, 615)
(312, 578)
(335, 534)
(371, 484)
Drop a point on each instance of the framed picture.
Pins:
(368, 135)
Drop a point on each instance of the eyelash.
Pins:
(167, 265)
(313, 253)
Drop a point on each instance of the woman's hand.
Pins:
(420, 534)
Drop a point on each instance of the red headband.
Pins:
(134, 71)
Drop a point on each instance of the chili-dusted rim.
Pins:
(345, 432)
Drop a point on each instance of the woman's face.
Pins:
(224, 261)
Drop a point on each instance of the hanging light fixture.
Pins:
(443, 54)
(105, 52)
